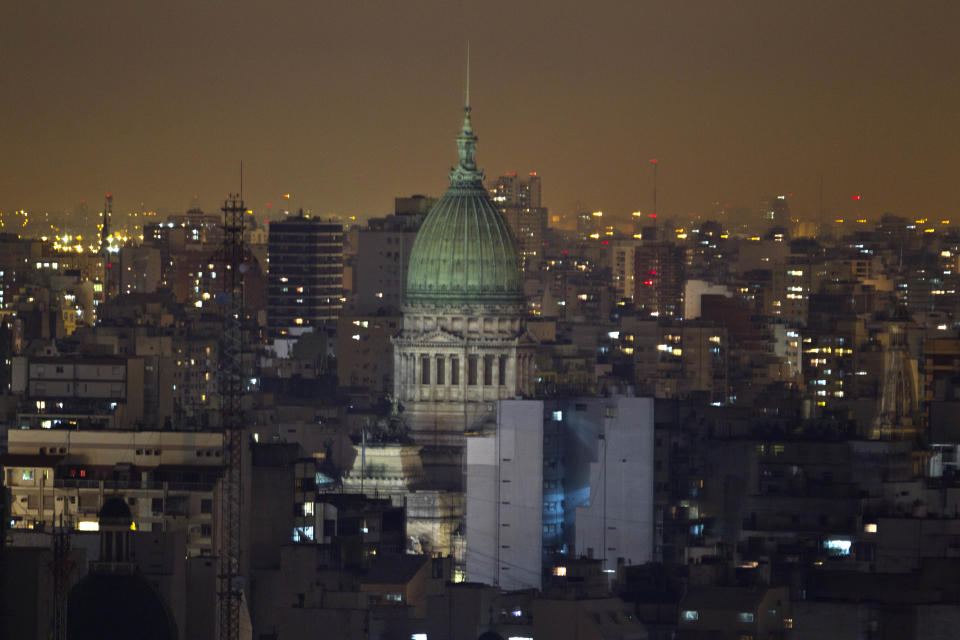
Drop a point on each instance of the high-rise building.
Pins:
(519, 202)
(559, 478)
(658, 279)
(382, 257)
(306, 272)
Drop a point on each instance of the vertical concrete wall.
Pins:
(618, 521)
(504, 521)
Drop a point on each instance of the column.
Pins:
(448, 376)
(397, 375)
(416, 374)
(525, 370)
(408, 376)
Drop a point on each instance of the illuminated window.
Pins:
(690, 616)
(303, 534)
(560, 571)
(745, 616)
(870, 527)
(837, 547)
(27, 474)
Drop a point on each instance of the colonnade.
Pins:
(423, 367)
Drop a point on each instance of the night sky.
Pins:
(347, 104)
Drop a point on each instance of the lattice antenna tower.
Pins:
(230, 581)
(60, 566)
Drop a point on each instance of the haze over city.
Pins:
(479, 321)
(345, 105)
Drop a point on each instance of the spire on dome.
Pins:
(466, 170)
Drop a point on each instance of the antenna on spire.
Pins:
(468, 77)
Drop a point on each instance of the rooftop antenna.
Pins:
(823, 222)
(468, 77)
(656, 214)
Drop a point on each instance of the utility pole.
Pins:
(229, 580)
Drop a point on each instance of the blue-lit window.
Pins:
(303, 534)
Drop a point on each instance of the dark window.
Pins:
(503, 371)
(440, 371)
(206, 506)
(156, 505)
(454, 370)
(425, 370)
(487, 370)
(472, 371)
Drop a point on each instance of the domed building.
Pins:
(464, 344)
(115, 600)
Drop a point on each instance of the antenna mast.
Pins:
(230, 579)
(105, 246)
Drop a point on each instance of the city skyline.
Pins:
(343, 109)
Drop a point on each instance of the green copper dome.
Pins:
(464, 253)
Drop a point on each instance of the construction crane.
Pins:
(230, 580)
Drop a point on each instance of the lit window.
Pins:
(870, 527)
(27, 474)
(560, 571)
(745, 616)
(303, 534)
(690, 616)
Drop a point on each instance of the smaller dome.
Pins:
(115, 511)
(104, 607)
